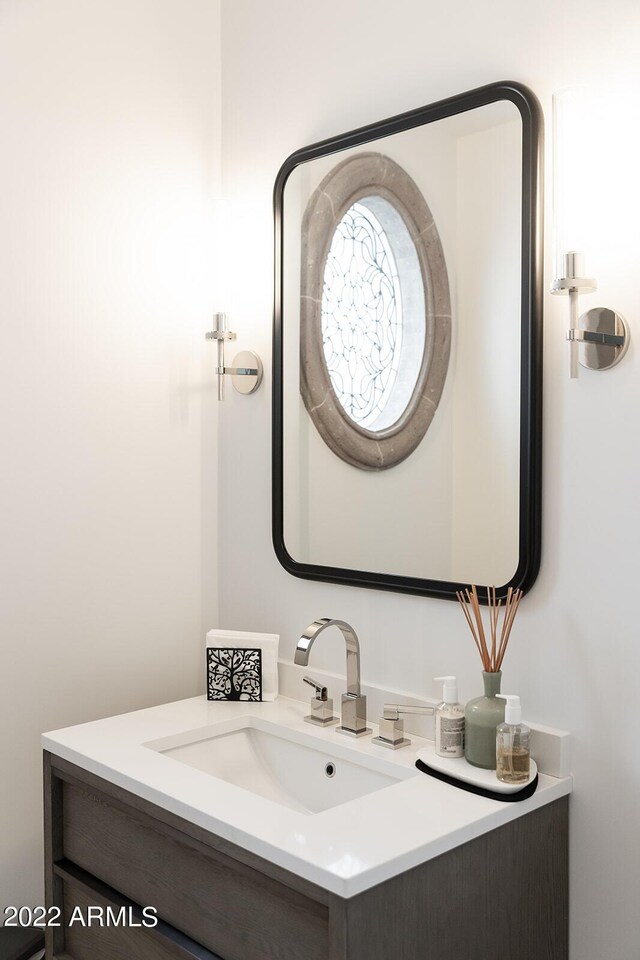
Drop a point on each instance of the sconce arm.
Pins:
(591, 336)
(246, 364)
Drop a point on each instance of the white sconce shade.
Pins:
(572, 176)
(586, 147)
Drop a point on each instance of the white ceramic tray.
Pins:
(459, 769)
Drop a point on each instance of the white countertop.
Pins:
(345, 849)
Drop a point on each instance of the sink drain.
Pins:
(330, 769)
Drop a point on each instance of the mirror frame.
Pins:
(530, 500)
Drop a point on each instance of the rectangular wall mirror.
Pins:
(407, 350)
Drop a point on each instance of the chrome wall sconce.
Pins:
(599, 338)
(603, 332)
(246, 372)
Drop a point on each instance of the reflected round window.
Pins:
(375, 314)
(370, 262)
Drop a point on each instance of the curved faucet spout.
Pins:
(353, 649)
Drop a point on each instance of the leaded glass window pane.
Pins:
(361, 315)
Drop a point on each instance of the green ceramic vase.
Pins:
(481, 717)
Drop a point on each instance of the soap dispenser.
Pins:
(449, 717)
(512, 743)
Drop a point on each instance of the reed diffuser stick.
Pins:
(468, 600)
(475, 605)
(463, 604)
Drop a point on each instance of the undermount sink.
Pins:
(297, 771)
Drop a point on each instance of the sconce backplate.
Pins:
(603, 356)
(248, 382)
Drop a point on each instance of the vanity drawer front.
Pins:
(229, 907)
(107, 942)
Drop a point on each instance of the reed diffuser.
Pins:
(483, 714)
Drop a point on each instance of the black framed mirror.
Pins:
(407, 348)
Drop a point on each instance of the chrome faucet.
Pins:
(354, 705)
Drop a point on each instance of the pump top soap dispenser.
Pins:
(449, 716)
(513, 758)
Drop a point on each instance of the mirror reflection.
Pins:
(401, 300)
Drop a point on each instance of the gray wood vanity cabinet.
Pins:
(502, 896)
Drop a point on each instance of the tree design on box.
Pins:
(234, 674)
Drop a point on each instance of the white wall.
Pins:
(294, 73)
(109, 113)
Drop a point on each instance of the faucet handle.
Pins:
(321, 705)
(392, 711)
(391, 727)
(321, 690)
